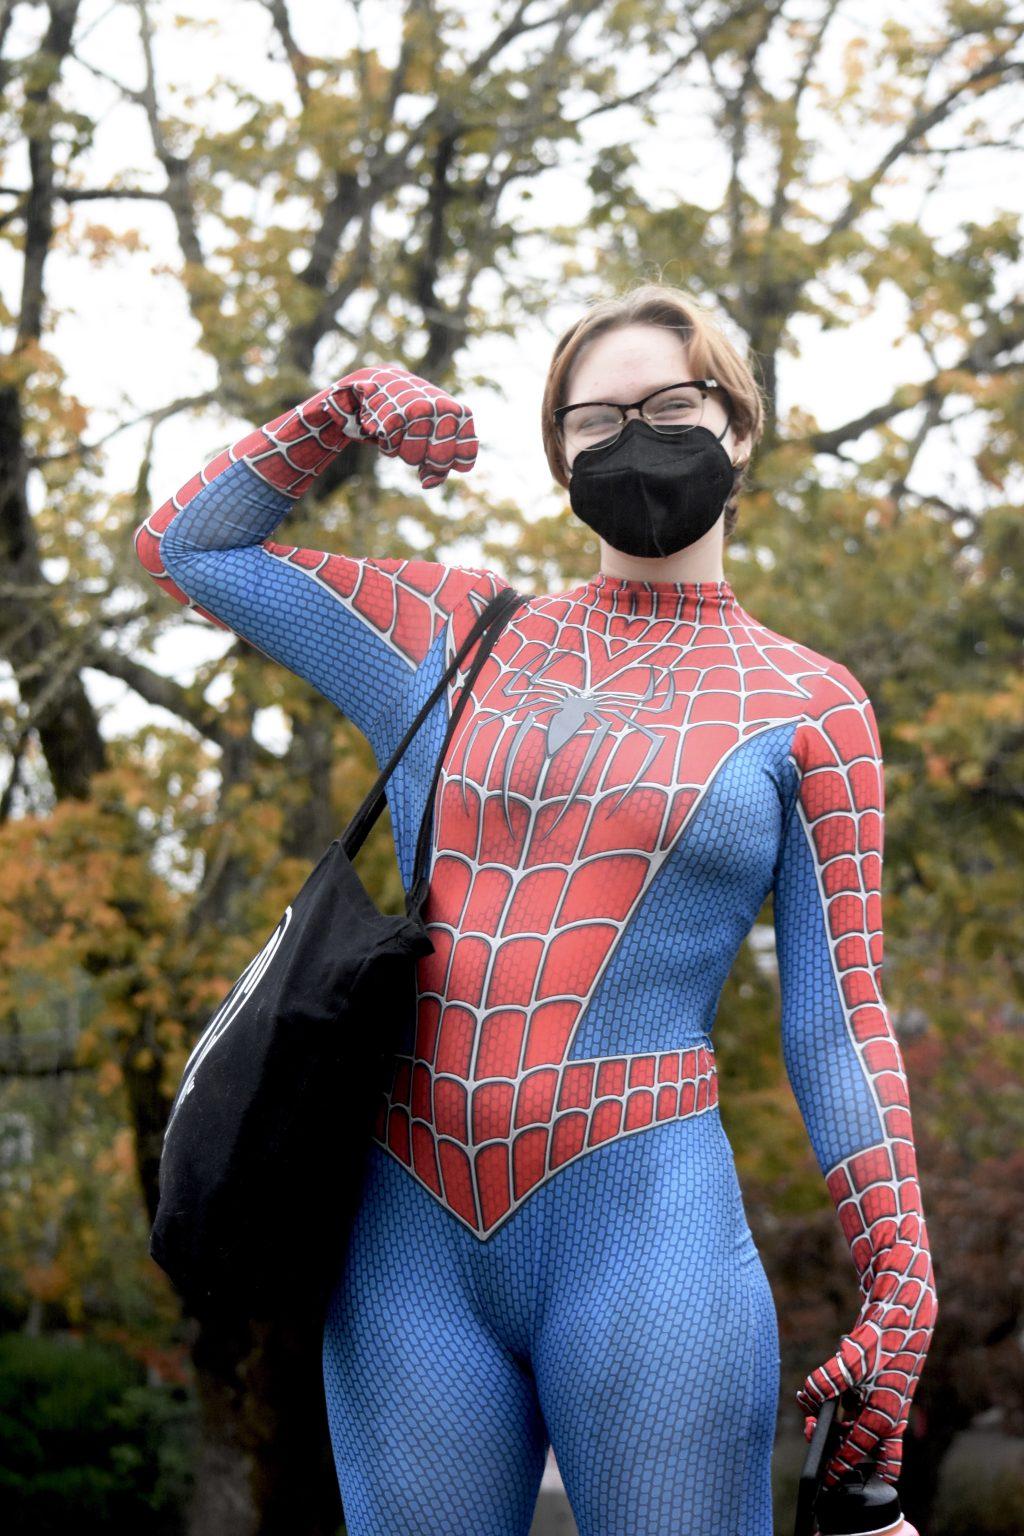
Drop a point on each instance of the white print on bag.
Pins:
(228, 1012)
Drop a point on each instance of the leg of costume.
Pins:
(434, 1414)
(551, 1241)
(624, 1313)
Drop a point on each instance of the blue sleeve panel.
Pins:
(825, 1068)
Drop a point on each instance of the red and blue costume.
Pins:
(551, 1245)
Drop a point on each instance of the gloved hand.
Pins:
(882, 1357)
(405, 416)
(388, 406)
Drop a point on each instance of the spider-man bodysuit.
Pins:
(551, 1242)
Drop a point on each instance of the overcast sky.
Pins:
(128, 343)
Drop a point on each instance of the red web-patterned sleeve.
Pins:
(355, 628)
(846, 1068)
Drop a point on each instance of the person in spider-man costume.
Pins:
(551, 1245)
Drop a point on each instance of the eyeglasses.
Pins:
(671, 409)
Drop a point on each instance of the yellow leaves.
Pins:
(119, 1016)
(970, 774)
(799, 421)
(267, 816)
(17, 367)
(853, 66)
(421, 75)
(203, 285)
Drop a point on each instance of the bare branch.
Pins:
(931, 419)
(22, 1067)
(992, 70)
(943, 151)
(17, 753)
(299, 61)
(6, 17)
(86, 451)
(127, 91)
(178, 194)
(979, 358)
(52, 669)
(165, 693)
(86, 194)
(54, 48)
(515, 27)
(645, 91)
(784, 168)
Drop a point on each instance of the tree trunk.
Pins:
(264, 1465)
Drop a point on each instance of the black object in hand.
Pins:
(861, 1502)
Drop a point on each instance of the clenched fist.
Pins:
(405, 416)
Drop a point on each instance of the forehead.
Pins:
(626, 362)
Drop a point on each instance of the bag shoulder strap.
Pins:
(490, 620)
(420, 875)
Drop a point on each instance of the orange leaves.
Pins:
(46, 1282)
(100, 244)
(118, 1158)
(109, 1077)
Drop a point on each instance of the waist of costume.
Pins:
(482, 1146)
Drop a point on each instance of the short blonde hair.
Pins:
(712, 355)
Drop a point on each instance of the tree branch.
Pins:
(178, 194)
(86, 194)
(991, 70)
(1000, 335)
(86, 451)
(299, 61)
(165, 693)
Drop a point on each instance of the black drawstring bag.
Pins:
(269, 1133)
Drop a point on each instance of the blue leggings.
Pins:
(621, 1314)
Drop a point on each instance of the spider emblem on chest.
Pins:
(565, 710)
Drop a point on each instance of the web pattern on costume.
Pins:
(526, 922)
(357, 629)
(601, 751)
(839, 817)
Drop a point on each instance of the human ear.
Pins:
(740, 453)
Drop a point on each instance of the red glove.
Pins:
(407, 417)
(388, 406)
(881, 1358)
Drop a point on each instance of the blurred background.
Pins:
(207, 213)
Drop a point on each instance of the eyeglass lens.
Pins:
(670, 410)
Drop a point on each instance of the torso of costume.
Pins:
(552, 1245)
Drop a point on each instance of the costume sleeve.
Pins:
(846, 1069)
(355, 628)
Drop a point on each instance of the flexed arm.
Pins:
(846, 1069)
(356, 628)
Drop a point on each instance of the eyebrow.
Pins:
(671, 383)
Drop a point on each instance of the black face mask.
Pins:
(651, 493)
